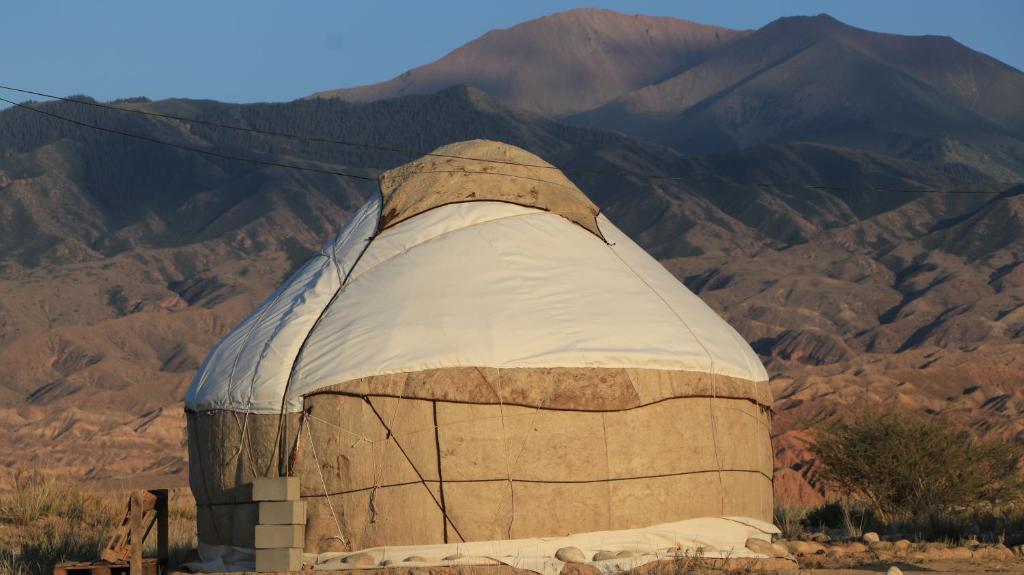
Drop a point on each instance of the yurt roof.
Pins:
(468, 264)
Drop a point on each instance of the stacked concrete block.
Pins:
(281, 527)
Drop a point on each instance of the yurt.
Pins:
(481, 356)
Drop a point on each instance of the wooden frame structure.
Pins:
(123, 554)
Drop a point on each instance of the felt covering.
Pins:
(395, 468)
(479, 356)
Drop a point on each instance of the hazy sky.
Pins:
(257, 50)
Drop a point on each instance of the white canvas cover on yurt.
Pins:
(480, 355)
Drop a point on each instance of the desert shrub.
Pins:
(907, 469)
(846, 515)
(790, 520)
(828, 515)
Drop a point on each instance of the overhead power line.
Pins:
(304, 138)
(190, 148)
(418, 153)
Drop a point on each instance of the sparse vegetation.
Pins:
(907, 469)
(44, 521)
(790, 520)
(926, 479)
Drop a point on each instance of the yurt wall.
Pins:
(408, 468)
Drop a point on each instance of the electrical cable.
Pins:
(190, 148)
(392, 149)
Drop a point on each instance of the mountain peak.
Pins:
(562, 63)
(816, 26)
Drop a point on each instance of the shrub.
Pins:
(909, 469)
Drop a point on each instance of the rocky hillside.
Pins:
(123, 261)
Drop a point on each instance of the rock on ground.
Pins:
(570, 555)
(759, 546)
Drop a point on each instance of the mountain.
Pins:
(702, 90)
(122, 262)
(563, 63)
(817, 79)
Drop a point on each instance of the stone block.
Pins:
(282, 512)
(275, 489)
(280, 536)
(271, 560)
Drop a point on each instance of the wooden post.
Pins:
(162, 534)
(136, 535)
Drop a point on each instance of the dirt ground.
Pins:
(787, 567)
(953, 566)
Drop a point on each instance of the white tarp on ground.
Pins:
(484, 284)
(714, 537)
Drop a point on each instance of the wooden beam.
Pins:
(136, 533)
(162, 527)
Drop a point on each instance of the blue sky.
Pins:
(272, 51)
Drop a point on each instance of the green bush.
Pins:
(907, 469)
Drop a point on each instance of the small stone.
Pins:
(360, 559)
(870, 537)
(821, 537)
(894, 570)
(901, 546)
(624, 554)
(414, 559)
(805, 547)
(836, 550)
(604, 555)
(856, 547)
(759, 546)
(848, 549)
(935, 551)
(997, 551)
(570, 555)
(961, 553)
(779, 550)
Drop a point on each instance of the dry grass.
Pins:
(695, 563)
(790, 520)
(44, 522)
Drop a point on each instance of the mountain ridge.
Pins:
(122, 262)
(612, 53)
(802, 78)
